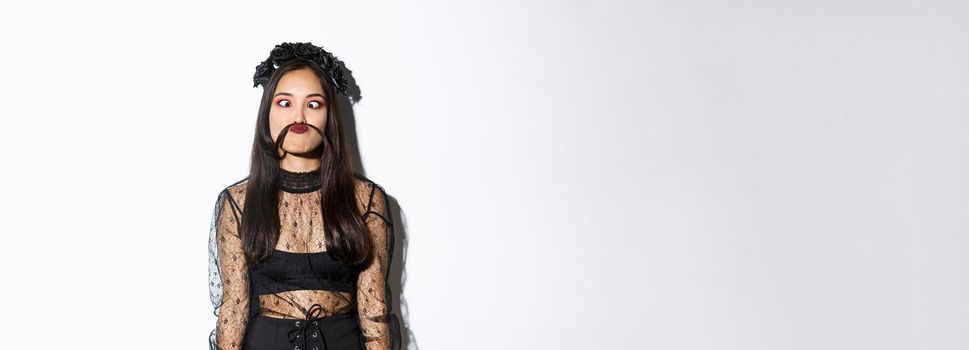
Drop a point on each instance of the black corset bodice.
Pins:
(286, 271)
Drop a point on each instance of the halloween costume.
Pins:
(302, 297)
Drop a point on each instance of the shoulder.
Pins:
(369, 192)
(235, 192)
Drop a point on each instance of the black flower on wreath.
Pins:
(263, 71)
(306, 50)
(323, 58)
(337, 77)
(281, 53)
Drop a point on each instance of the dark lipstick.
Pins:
(299, 128)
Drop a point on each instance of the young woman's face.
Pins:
(298, 98)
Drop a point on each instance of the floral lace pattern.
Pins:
(301, 231)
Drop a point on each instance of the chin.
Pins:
(299, 150)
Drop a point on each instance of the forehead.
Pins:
(300, 80)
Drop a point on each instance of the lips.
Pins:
(299, 128)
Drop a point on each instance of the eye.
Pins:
(318, 104)
(282, 101)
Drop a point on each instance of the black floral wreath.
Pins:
(288, 51)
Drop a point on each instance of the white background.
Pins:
(570, 175)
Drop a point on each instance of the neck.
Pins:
(299, 181)
(296, 163)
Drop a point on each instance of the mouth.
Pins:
(299, 128)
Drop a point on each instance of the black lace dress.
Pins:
(301, 298)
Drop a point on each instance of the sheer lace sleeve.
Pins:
(229, 279)
(373, 292)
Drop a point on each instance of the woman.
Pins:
(299, 249)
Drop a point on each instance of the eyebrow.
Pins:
(289, 94)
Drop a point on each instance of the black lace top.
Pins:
(300, 276)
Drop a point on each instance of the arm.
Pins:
(234, 308)
(372, 289)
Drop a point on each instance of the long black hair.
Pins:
(344, 229)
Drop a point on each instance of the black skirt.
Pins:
(334, 332)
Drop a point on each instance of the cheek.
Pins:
(319, 118)
(276, 123)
